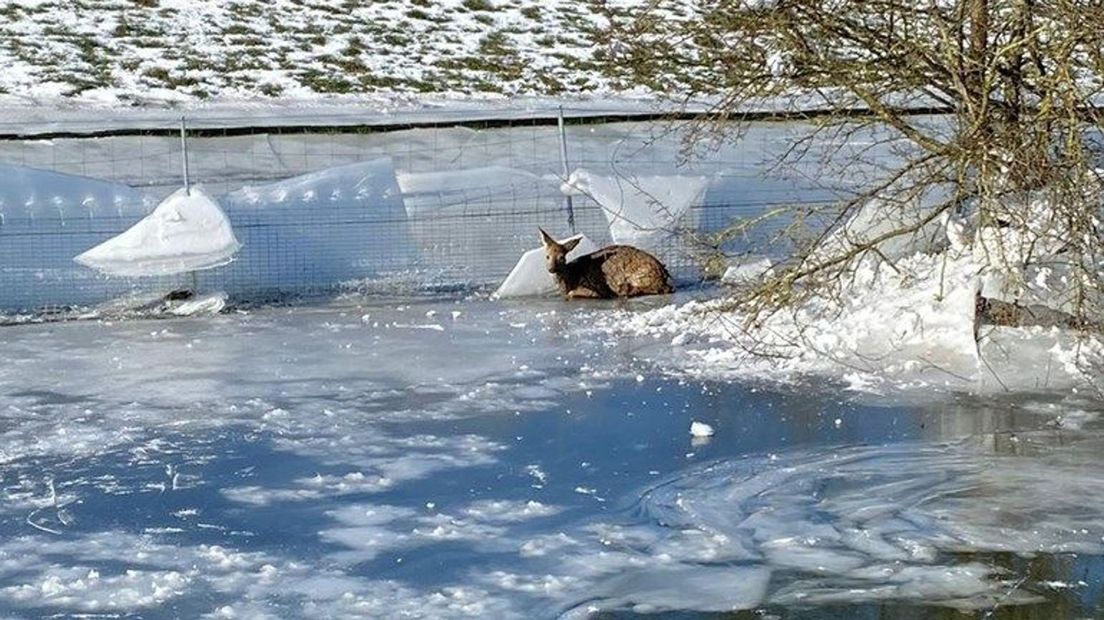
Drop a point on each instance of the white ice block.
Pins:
(186, 232)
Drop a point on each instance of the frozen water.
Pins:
(428, 192)
(471, 202)
(308, 462)
(186, 232)
(42, 195)
(308, 233)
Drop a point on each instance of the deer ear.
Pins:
(571, 243)
(546, 239)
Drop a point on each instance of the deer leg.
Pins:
(582, 292)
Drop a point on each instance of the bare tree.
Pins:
(989, 107)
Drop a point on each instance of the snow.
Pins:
(909, 329)
(504, 511)
(182, 52)
(186, 232)
(647, 212)
(530, 277)
(701, 429)
(877, 217)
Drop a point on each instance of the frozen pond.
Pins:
(445, 458)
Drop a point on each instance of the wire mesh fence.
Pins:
(470, 201)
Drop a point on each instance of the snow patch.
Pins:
(186, 232)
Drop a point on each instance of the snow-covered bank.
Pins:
(119, 53)
(909, 328)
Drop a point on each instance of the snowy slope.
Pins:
(135, 51)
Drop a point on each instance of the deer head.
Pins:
(555, 253)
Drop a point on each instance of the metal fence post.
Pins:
(566, 172)
(184, 154)
(192, 275)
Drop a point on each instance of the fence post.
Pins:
(184, 154)
(566, 171)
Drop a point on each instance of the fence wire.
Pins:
(472, 201)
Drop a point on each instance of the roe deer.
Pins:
(613, 271)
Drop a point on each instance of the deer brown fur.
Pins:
(613, 271)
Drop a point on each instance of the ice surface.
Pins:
(309, 463)
(186, 232)
(643, 211)
(870, 522)
(530, 277)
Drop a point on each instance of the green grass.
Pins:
(476, 46)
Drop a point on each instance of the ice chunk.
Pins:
(186, 232)
(643, 211)
(701, 429)
(208, 304)
(47, 218)
(530, 277)
(878, 217)
(458, 231)
(746, 271)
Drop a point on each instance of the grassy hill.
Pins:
(137, 51)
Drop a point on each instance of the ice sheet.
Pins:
(643, 211)
(427, 192)
(876, 523)
(47, 218)
(316, 230)
(331, 462)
